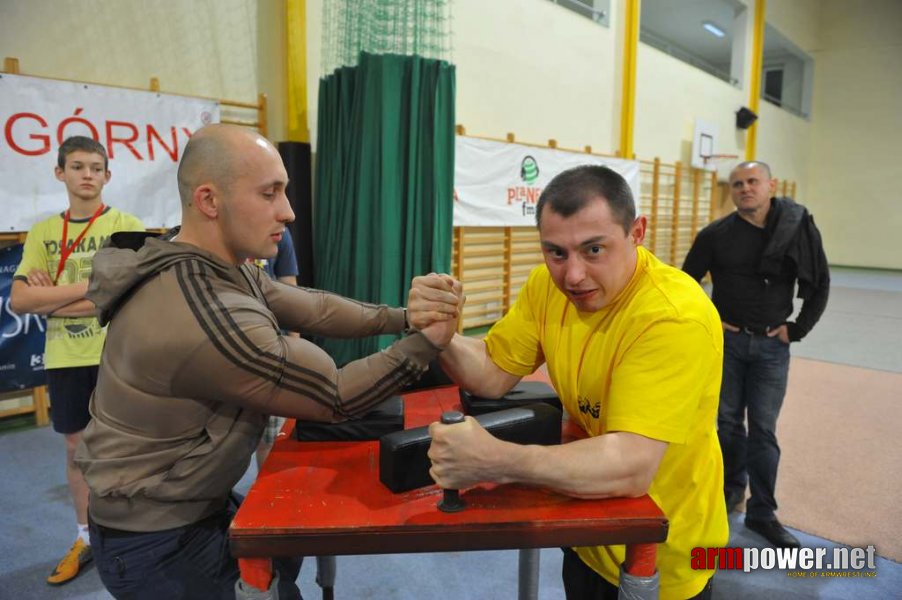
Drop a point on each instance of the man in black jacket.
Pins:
(756, 256)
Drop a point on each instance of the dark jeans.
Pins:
(755, 371)
(582, 583)
(190, 562)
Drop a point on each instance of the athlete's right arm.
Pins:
(44, 299)
(247, 362)
(466, 360)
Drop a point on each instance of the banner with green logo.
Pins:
(497, 184)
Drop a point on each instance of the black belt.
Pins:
(753, 330)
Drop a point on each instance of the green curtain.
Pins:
(384, 182)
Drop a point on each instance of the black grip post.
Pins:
(451, 500)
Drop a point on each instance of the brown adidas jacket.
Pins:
(194, 362)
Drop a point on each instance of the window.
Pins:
(787, 74)
(597, 10)
(708, 34)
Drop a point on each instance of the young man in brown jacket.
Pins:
(194, 363)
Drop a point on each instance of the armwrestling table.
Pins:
(325, 499)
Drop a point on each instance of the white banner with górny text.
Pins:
(144, 134)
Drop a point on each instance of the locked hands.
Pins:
(434, 306)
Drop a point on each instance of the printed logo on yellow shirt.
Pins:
(587, 408)
(80, 331)
(83, 328)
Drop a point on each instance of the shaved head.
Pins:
(751, 164)
(232, 183)
(210, 157)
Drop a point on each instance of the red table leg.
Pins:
(256, 572)
(640, 559)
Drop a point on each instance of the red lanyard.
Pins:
(66, 251)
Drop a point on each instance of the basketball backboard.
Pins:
(704, 145)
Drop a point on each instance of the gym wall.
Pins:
(538, 70)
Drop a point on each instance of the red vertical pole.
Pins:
(640, 559)
(256, 572)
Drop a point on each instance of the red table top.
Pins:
(325, 498)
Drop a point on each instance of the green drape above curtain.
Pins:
(384, 182)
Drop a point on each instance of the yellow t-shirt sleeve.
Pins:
(657, 387)
(513, 342)
(34, 252)
(132, 223)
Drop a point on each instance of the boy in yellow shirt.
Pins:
(52, 280)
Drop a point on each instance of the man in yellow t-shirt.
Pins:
(52, 280)
(634, 349)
